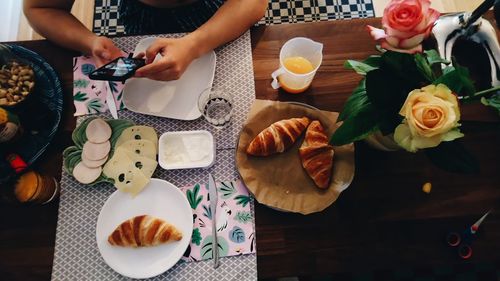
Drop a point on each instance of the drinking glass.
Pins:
(216, 105)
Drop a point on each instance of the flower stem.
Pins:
(480, 94)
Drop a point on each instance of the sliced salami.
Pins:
(85, 174)
(98, 131)
(96, 151)
(93, 163)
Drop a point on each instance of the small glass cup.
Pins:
(216, 105)
(36, 188)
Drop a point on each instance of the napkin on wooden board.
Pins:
(279, 180)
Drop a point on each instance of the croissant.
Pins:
(143, 231)
(317, 155)
(278, 137)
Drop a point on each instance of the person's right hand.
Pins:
(103, 50)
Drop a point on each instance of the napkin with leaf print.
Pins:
(234, 221)
(89, 96)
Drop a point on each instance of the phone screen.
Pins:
(119, 69)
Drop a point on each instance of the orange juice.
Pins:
(296, 65)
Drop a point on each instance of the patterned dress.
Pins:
(139, 18)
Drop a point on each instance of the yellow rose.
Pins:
(431, 116)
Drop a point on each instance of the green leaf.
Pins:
(207, 212)
(374, 61)
(243, 217)
(94, 105)
(81, 83)
(206, 247)
(356, 127)
(424, 67)
(79, 96)
(112, 86)
(493, 101)
(387, 93)
(227, 190)
(453, 157)
(433, 57)
(196, 237)
(360, 67)
(356, 102)
(243, 200)
(401, 66)
(458, 80)
(193, 198)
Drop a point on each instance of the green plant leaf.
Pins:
(207, 212)
(193, 198)
(356, 127)
(458, 80)
(81, 83)
(112, 86)
(387, 94)
(493, 101)
(227, 190)
(360, 67)
(433, 57)
(452, 156)
(356, 102)
(402, 67)
(196, 237)
(206, 247)
(94, 105)
(243, 217)
(243, 200)
(424, 67)
(79, 96)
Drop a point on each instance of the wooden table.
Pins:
(382, 221)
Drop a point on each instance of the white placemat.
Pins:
(76, 256)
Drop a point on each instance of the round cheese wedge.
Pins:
(86, 175)
(98, 131)
(93, 163)
(96, 151)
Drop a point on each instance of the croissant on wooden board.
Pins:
(278, 137)
(317, 155)
(144, 231)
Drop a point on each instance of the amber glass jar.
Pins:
(36, 188)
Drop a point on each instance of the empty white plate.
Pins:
(160, 199)
(173, 99)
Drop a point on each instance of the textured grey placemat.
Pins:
(76, 256)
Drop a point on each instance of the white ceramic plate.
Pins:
(160, 199)
(173, 99)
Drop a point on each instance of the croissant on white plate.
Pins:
(317, 155)
(278, 137)
(142, 231)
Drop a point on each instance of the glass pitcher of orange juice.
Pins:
(300, 58)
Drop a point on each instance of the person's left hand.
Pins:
(177, 54)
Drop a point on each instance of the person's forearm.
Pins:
(230, 21)
(60, 27)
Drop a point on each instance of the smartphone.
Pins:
(118, 70)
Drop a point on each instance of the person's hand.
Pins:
(103, 50)
(177, 54)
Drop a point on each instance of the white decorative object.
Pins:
(471, 27)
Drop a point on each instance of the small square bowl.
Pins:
(186, 150)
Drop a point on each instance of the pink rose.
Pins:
(406, 24)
